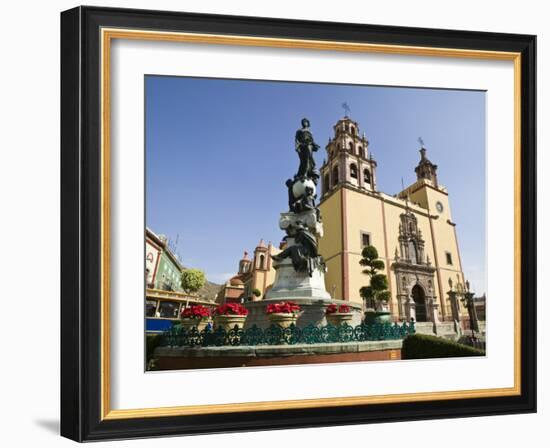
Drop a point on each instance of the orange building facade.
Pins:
(254, 277)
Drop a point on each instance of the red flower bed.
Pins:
(231, 309)
(333, 308)
(195, 312)
(283, 307)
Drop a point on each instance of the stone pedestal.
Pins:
(291, 285)
(313, 311)
(298, 287)
(308, 218)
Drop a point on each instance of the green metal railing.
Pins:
(177, 336)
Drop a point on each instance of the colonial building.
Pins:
(164, 296)
(254, 274)
(162, 268)
(413, 230)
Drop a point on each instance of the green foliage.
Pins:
(377, 292)
(378, 265)
(422, 346)
(256, 292)
(384, 296)
(366, 293)
(379, 282)
(192, 280)
(369, 253)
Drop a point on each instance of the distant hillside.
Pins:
(209, 291)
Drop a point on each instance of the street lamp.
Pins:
(468, 301)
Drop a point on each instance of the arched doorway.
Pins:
(420, 301)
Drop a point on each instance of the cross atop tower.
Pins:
(426, 169)
(347, 109)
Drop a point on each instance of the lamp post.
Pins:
(469, 303)
(453, 293)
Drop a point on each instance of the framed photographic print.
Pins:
(274, 223)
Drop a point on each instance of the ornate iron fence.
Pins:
(177, 336)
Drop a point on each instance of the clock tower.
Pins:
(429, 194)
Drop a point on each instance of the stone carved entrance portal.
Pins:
(419, 298)
(414, 274)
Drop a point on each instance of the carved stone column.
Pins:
(410, 308)
(401, 306)
(455, 310)
(433, 310)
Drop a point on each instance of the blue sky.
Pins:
(219, 151)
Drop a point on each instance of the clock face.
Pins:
(439, 206)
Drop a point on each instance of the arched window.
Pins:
(352, 129)
(353, 171)
(347, 127)
(326, 185)
(366, 175)
(351, 147)
(261, 264)
(360, 151)
(335, 175)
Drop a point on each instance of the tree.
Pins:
(376, 295)
(192, 280)
(256, 292)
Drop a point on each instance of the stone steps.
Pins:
(444, 329)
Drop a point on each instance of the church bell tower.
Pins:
(426, 169)
(348, 159)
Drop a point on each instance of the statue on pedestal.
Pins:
(300, 270)
(302, 223)
(305, 147)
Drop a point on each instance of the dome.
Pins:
(235, 281)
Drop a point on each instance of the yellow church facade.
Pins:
(413, 231)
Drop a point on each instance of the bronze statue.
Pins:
(305, 147)
(305, 203)
(302, 249)
(303, 253)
